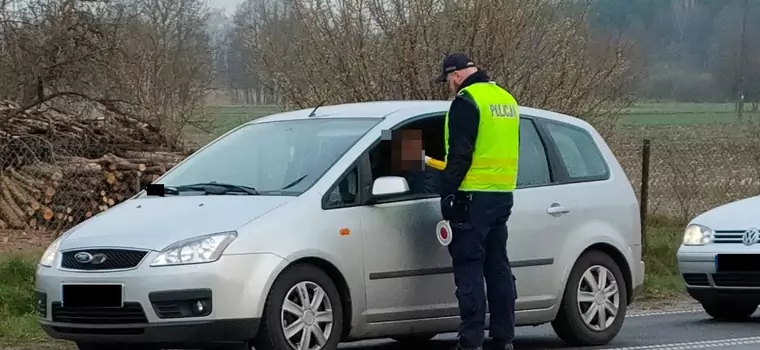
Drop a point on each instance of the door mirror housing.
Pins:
(389, 185)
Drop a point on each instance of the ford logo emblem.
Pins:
(83, 257)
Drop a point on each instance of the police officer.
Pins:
(482, 143)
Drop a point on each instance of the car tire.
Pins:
(727, 310)
(414, 338)
(293, 285)
(569, 324)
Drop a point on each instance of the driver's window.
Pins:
(402, 155)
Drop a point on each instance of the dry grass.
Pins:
(693, 168)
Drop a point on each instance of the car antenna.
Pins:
(314, 111)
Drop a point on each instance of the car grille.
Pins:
(696, 279)
(115, 259)
(729, 236)
(130, 313)
(736, 279)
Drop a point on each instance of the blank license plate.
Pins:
(92, 295)
(737, 262)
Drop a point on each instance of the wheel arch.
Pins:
(340, 283)
(620, 260)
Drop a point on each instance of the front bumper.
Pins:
(235, 288)
(167, 334)
(697, 267)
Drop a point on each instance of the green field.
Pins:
(684, 114)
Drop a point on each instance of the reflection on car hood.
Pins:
(739, 215)
(156, 222)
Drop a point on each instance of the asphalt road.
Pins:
(661, 330)
(642, 330)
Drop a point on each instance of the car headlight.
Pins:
(48, 257)
(196, 250)
(697, 235)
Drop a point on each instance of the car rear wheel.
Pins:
(303, 311)
(414, 338)
(594, 302)
(728, 310)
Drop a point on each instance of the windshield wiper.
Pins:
(295, 182)
(212, 188)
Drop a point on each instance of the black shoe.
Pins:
(459, 347)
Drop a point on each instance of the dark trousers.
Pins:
(478, 249)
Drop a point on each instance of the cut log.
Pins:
(9, 216)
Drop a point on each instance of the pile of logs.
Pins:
(57, 170)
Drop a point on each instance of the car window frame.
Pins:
(357, 164)
(549, 152)
(368, 182)
(559, 166)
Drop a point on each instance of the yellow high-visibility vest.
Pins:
(496, 154)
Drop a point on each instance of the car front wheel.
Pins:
(727, 310)
(303, 311)
(594, 302)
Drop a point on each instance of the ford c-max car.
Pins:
(293, 232)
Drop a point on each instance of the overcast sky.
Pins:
(227, 5)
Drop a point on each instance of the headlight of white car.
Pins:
(198, 250)
(48, 257)
(697, 235)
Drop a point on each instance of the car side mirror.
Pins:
(389, 185)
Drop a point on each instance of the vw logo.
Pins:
(751, 236)
(87, 258)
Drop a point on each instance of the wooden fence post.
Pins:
(644, 193)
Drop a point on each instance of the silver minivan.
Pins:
(292, 232)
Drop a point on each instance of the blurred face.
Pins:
(408, 150)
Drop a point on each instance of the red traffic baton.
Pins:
(443, 232)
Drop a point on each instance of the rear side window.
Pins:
(578, 151)
(533, 169)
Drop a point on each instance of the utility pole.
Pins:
(742, 59)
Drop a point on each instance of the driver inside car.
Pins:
(409, 162)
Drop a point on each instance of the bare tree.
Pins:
(357, 50)
(146, 59)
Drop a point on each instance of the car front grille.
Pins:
(729, 236)
(696, 279)
(129, 314)
(115, 259)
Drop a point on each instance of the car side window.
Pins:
(578, 151)
(533, 167)
(346, 191)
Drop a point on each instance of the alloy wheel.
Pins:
(307, 316)
(598, 298)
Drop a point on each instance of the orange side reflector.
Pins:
(345, 232)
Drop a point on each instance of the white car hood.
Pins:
(156, 222)
(739, 215)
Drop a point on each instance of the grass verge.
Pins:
(662, 280)
(18, 321)
(17, 318)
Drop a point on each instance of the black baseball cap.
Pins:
(454, 62)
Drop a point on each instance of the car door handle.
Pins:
(557, 209)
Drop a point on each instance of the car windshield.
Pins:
(270, 158)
